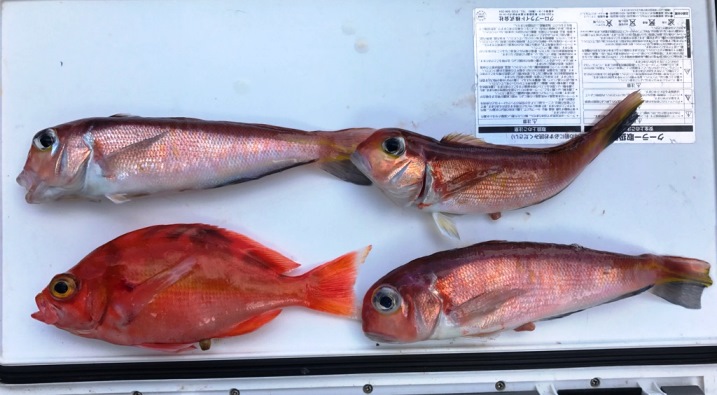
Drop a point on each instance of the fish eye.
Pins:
(63, 286)
(45, 139)
(386, 300)
(395, 146)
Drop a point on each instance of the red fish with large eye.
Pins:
(168, 287)
(462, 174)
(499, 285)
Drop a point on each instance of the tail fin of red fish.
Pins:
(683, 282)
(336, 153)
(609, 128)
(331, 285)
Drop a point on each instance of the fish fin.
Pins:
(433, 194)
(345, 170)
(105, 162)
(166, 347)
(336, 155)
(495, 216)
(140, 295)
(237, 244)
(118, 198)
(565, 314)
(121, 115)
(618, 120)
(478, 307)
(330, 287)
(683, 281)
(251, 324)
(683, 294)
(529, 326)
(460, 139)
(446, 225)
(270, 258)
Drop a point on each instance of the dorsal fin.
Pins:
(121, 115)
(260, 253)
(460, 138)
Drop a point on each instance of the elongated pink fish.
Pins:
(499, 285)
(464, 175)
(121, 157)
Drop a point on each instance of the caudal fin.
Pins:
(616, 122)
(331, 285)
(337, 150)
(683, 282)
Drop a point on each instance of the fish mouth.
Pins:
(47, 312)
(38, 191)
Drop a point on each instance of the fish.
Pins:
(122, 157)
(486, 288)
(462, 174)
(171, 287)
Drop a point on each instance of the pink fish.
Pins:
(499, 285)
(464, 175)
(121, 157)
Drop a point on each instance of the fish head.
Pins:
(71, 303)
(56, 162)
(393, 160)
(400, 312)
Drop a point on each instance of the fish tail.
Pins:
(330, 287)
(337, 148)
(610, 127)
(683, 281)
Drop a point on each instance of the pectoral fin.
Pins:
(468, 180)
(446, 225)
(474, 311)
(133, 302)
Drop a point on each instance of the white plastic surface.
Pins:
(542, 381)
(322, 65)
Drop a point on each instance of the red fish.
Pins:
(122, 157)
(462, 174)
(499, 285)
(168, 287)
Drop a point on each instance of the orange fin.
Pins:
(525, 327)
(251, 324)
(130, 304)
(495, 216)
(241, 245)
(330, 287)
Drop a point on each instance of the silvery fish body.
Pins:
(121, 157)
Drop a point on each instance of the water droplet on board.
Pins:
(361, 46)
